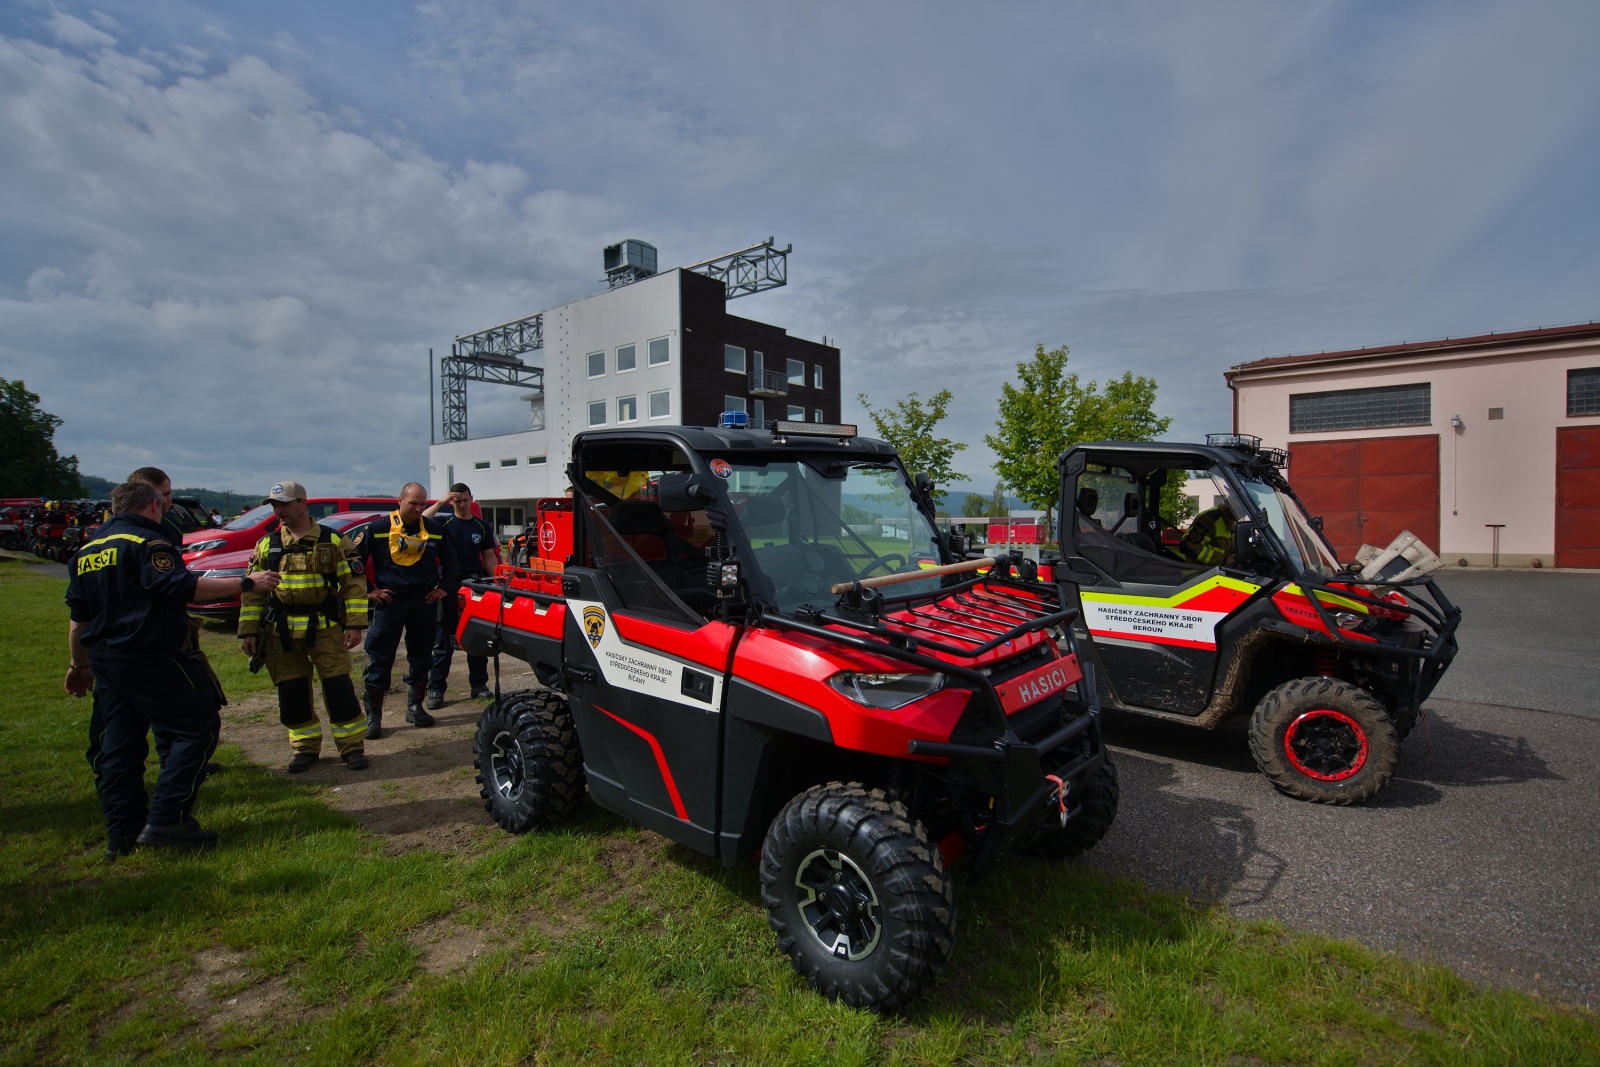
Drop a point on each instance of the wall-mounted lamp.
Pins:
(1455, 420)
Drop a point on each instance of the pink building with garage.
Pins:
(1461, 441)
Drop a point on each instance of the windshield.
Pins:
(815, 523)
(254, 517)
(1308, 550)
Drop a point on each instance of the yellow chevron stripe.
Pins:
(1333, 599)
(1178, 599)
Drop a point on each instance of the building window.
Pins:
(534, 461)
(733, 359)
(659, 352)
(758, 412)
(627, 409)
(816, 376)
(1496, 414)
(797, 413)
(1583, 391)
(816, 415)
(797, 373)
(627, 358)
(512, 462)
(597, 413)
(597, 364)
(480, 465)
(1361, 409)
(661, 405)
(733, 403)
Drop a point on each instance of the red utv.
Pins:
(760, 646)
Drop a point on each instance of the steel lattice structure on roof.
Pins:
(749, 270)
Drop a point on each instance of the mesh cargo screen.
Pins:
(636, 584)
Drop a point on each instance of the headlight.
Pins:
(226, 572)
(204, 546)
(886, 691)
(1347, 620)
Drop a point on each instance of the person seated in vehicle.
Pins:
(1209, 540)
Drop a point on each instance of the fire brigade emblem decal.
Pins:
(594, 624)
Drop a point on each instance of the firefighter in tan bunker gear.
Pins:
(1209, 540)
(316, 615)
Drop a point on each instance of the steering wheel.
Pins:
(895, 557)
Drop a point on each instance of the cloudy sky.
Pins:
(230, 232)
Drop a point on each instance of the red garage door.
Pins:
(1578, 496)
(1367, 491)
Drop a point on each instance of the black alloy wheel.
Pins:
(839, 905)
(858, 896)
(530, 769)
(1325, 740)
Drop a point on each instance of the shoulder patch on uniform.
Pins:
(360, 537)
(162, 561)
(158, 543)
(357, 567)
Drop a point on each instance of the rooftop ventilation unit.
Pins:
(628, 261)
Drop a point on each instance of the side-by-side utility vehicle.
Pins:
(1249, 613)
(759, 645)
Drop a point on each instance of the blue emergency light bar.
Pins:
(735, 420)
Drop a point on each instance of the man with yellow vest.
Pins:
(411, 568)
(310, 622)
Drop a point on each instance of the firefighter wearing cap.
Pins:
(1209, 540)
(311, 622)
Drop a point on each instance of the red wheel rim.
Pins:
(1326, 745)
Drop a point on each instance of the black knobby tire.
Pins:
(1096, 805)
(858, 896)
(1324, 740)
(530, 768)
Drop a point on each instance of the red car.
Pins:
(233, 563)
(243, 532)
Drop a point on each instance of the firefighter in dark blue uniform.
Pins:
(127, 595)
(411, 568)
(473, 544)
(157, 479)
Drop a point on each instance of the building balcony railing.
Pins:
(769, 383)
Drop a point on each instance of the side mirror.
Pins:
(1246, 549)
(924, 484)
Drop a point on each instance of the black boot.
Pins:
(414, 710)
(186, 834)
(374, 714)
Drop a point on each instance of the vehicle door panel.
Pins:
(648, 719)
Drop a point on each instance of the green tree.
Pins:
(29, 463)
(975, 506)
(909, 426)
(1053, 410)
(997, 503)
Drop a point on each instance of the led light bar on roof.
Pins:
(814, 429)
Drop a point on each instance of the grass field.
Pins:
(302, 939)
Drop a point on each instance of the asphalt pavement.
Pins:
(1483, 852)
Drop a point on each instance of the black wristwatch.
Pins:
(246, 584)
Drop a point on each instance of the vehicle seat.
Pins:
(1088, 502)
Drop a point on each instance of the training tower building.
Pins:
(653, 348)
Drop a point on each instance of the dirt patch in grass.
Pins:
(220, 991)
(445, 946)
(419, 791)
